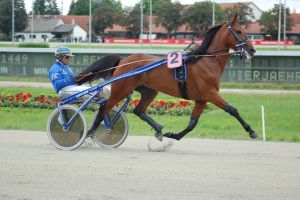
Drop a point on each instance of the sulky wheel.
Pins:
(71, 138)
(114, 136)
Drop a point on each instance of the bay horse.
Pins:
(205, 66)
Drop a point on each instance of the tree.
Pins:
(39, 7)
(199, 16)
(6, 16)
(269, 20)
(45, 7)
(107, 13)
(245, 13)
(156, 6)
(132, 21)
(81, 7)
(169, 16)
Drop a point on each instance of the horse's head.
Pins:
(238, 39)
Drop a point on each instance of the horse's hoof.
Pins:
(172, 135)
(253, 135)
(159, 136)
(169, 135)
(89, 133)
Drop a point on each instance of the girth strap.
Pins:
(180, 75)
(182, 89)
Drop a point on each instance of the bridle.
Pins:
(241, 44)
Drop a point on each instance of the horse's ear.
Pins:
(235, 19)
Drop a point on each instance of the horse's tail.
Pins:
(99, 69)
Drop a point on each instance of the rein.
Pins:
(216, 55)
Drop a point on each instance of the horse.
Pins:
(205, 65)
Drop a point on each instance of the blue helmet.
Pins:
(62, 51)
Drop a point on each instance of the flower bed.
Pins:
(160, 107)
(26, 100)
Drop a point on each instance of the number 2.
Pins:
(175, 55)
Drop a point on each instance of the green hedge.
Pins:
(36, 45)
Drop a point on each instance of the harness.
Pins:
(181, 76)
(180, 73)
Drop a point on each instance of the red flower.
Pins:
(24, 98)
(184, 103)
(42, 100)
(135, 102)
(161, 103)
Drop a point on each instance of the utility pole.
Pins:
(279, 24)
(32, 20)
(62, 7)
(13, 22)
(90, 22)
(213, 14)
(142, 22)
(150, 24)
(284, 23)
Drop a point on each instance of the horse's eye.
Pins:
(238, 31)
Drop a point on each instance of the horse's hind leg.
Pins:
(197, 110)
(218, 101)
(147, 96)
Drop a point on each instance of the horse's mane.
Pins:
(208, 36)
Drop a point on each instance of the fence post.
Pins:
(263, 123)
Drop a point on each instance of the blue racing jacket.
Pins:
(61, 76)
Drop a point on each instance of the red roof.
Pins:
(80, 20)
(296, 17)
(254, 27)
(230, 5)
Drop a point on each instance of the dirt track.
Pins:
(31, 168)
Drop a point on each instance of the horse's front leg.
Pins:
(221, 103)
(147, 96)
(197, 110)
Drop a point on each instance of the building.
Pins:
(54, 28)
(257, 12)
(294, 34)
(69, 33)
(40, 31)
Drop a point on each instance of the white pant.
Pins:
(74, 89)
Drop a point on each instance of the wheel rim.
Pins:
(113, 137)
(71, 138)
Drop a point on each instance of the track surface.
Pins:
(32, 168)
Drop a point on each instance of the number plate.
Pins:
(174, 59)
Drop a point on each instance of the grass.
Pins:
(24, 79)
(33, 91)
(282, 113)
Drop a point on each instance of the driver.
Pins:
(62, 77)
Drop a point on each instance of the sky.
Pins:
(262, 4)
